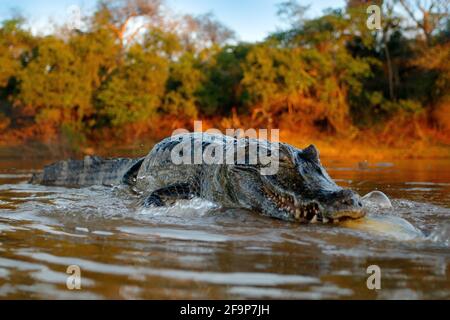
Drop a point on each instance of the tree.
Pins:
(15, 44)
(127, 18)
(99, 51)
(437, 61)
(221, 89)
(202, 32)
(275, 80)
(52, 86)
(312, 71)
(433, 14)
(133, 93)
(182, 87)
(292, 12)
(133, 61)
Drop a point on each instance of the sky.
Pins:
(252, 20)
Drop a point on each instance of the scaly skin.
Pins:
(300, 190)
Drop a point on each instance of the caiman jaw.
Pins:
(310, 212)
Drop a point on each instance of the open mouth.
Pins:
(308, 212)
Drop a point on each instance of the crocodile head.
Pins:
(300, 189)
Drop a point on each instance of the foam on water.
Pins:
(441, 234)
(183, 208)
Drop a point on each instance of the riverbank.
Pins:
(396, 139)
(329, 147)
(373, 150)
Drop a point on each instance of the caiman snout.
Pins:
(345, 204)
(349, 197)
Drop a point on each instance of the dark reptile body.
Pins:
(300, 191)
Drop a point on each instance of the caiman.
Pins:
(232, 176)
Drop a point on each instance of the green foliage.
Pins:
(221, 90)
(134, 91)
(14, 41)
(272, 73)
(53, 82)
(330, 69)
(181, 89)
(99, 52)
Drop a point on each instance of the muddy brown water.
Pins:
(196, 251)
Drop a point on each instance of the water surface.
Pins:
(196, 251)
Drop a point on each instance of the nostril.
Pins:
(360, 204)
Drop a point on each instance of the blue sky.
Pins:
(252, 20)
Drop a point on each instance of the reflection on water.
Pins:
(196, 250)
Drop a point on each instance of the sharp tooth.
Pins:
(314, 219)
(325, 220)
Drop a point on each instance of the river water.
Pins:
(195, 250)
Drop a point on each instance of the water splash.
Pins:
(441, 235)
(377, 199)
(183, 208)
